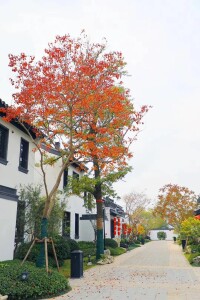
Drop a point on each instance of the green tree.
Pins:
(29, 213)
(190, 229)
(150, 221)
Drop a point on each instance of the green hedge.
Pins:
(61, 246)
(73, 245)
(116, 251)
(86, 245)
(111, 243)
(38, 285)
(88, 248)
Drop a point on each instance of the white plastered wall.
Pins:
(7, 228)
(11, 177)
(169, 234)
(74, 204)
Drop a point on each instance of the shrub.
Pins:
(123, 245)
(73, 245)
(111, 243)
(86, 245)
(116, 251)
(137, 242)
(61, 247)
(161, 235)
(88, 248)
(38, 285)
(89, 251)
(191, 256)
(23, 249)
(147, 240)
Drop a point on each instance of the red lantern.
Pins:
(115, 226)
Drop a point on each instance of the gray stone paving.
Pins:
(156, 271)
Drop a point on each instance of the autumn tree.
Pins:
(175, 204)
(74, 96)
(135, 204)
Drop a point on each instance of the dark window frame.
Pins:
(76, 226)
(23, 156)
(65, 178)
(4, 144)
(66, 224)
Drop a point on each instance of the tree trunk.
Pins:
(41, 258)
(100, 240)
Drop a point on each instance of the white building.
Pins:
(168, 231)
(16, 167)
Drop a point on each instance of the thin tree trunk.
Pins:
(44, 229)
(100, 240)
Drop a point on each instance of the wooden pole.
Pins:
(46, 254)
(28, 251)
(55, 256)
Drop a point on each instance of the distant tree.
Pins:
(140, 229)
(161, 235)
(150, 221)
(135, 203)
(175, 204)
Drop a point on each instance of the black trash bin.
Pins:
(76, 264)
(183, 243)
(174, 238)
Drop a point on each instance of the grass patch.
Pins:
(133, 246)
(190, 256)
(65, 269)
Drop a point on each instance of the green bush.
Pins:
(88, 248)
(147, 240)
(86, 245)
(161, 235)
(61, 247)
(73, 245)
(111, 243)
(191, 256)
(137, 242)
(133, 246)
(89, 251)
(23, 249)
(38, 285)
(116, 251)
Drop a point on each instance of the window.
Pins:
(3, 144)
(65, 178)
(76, 226)
(66, 224)
(20, 222)
(23, 158)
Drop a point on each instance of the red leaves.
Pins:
(73, 94)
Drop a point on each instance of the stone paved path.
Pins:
(156, 271)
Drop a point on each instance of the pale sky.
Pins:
(160, 40)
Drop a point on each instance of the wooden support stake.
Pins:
(27, 254)
(55, 256)
(46, 255)
(28, 251)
